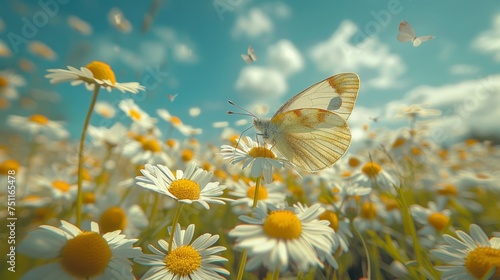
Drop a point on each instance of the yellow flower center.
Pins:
(283, 224)
(101, 71)
(354, 162)
(30, 198)
(7, 165)
(480, 260)
(86, 256)
(416, 151)
(371, 169)
(187, 155)
(88, 198)
(448, 189)
(391, 204)
(171, 143)
(261, 195)
(61, 185)
(346, 173)
(398, 142)
(175, 120)
(185, 189)
(39, 119)
(183, 260)
(113, 219)
(471, 142)
(4, 103)
(438, 221)
(151, 145)
(221, 174)
(3, 82)
(261, 152)
(332, 218)
(135, 115)
(368, 210)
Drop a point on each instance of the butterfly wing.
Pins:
(311, 138)
(251, 53)
(337, 93)
(423, 39)
(406, 32)
(246, 58)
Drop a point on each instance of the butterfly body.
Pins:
(250, 56)
(310, 130)
(407, 34)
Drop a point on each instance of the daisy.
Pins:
(190, 186)
(260, 159)
(96, 73)
(186, 259)
(435, 219)
(373, 175)
(269, 194)
(9, 82)
(108, 137)
(146, 150)
(471, 257)
(175, 122)
(341, 228)
(283, 237)
(79, 254)
(112, 215)
(105, 109)
(136, 114)
(38, 124)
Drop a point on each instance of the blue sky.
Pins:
(197, 49)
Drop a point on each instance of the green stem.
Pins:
(244, 253)
(368, 259)
(256, 194)
(276, 274)
(242, 264)
(174, 223)
(79, 199)
(154, 211)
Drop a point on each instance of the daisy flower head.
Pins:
(136, 114)
(38, 124)
(104, 109)
(186, 259)
(373, 175)
(470, 257)
(190, 186)
(260, 159)
(285, 237)
(79, 254)
(96, 73)
(435, 219)
(143, 150)
(9, 82)
(176, 122)
(268, 194)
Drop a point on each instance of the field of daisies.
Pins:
(133, 202)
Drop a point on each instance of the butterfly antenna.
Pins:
(248, 113)
(239, 139)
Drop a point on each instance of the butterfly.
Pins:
(172, 97)
(310, 129)
(407, 34)
(250, 57)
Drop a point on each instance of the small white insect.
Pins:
(407, 34)
(172, 97)
(310, 129)
(250, 57)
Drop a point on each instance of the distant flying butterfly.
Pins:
(250, 57)
(172, 97)
(407, 34)
(310, 129)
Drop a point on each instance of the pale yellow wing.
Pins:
(337, 93)
(311, 138)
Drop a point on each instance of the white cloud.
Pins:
(469, 106)
(278, 9)
(180, 47)
(338, 54)
(257, 81)
(463, 69)
(252, 25)
(489, 41)
(285, 57)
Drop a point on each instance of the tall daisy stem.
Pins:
(174, 223)
(79, 198)
(244, 253)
